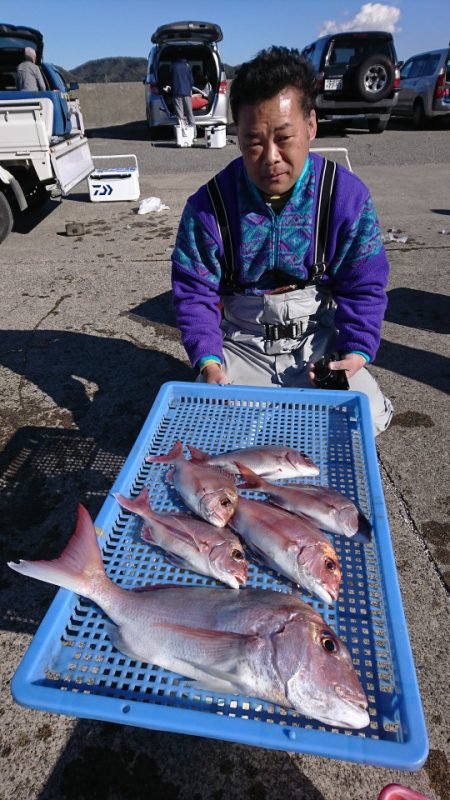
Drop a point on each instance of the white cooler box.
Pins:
(114, 183)
(184, 135)
(216, 136)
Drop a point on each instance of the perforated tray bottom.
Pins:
(72, 668)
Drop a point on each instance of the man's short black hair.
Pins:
(271, 71)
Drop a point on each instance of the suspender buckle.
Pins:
(294, 330)
(318, 270)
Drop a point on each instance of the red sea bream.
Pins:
(252, 642)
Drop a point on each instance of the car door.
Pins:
(409, 79)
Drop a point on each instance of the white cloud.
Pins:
(371, 16)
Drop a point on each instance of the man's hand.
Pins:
(351, 362)
(213, 373)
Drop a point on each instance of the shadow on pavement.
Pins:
(103, 390)
(129, 131)
(28, 220)
(157, 311)
(107, 761)
(431, 369)
(414, 308)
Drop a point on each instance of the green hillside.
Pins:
(121, 69)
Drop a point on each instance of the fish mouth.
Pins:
(241, 579)
(356, 718)
(356, 706)
(358, 715)
(364, 532)
(307, 468)
(218, 508)
(324, 594)
(235, 581)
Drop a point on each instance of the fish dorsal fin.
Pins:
(175, 454)
(196, 454)
(137, 505)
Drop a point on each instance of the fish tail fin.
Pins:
(138, 505)
(251, 479)
(175, 454)
(197, 455)
(75, 567)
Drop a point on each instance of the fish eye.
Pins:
(237, 555)
(330, 564)
(328, 643)
(225, 502)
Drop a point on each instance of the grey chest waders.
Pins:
(269, 340)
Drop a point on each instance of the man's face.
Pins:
(274, 138)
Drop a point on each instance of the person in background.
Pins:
(28, 74)
(279, 258)
(181, 82)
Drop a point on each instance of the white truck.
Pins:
(42, 142)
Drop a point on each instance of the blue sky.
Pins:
(79, 31)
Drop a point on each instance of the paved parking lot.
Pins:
(88, 338)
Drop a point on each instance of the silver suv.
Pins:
(425, 87)
(197, 42)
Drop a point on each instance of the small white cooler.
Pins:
(216, 136)
(114, 183)
(184, 134)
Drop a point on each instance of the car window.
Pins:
(431, 64)
(406, 69)
(354, 52)
(447, 71)
(312, 53)
(418, 67)
(341, 55)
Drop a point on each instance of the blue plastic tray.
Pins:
(71, 667)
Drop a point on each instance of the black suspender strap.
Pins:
(325, 192)
(220, 213)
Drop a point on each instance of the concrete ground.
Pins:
(88, 338)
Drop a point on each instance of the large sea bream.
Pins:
(251, 642)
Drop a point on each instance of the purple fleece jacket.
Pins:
(266, 243)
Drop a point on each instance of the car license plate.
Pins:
(333, 84)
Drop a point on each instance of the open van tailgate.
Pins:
(72, 162)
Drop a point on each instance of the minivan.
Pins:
(425, 87)
(357, 76)
(197, 42)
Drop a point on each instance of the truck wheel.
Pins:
(6, 217)
(418, 115)
(374, 78)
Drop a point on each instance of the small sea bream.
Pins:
(331, 510)
(273, 463)
(195, 544)
(252, 642)
(210, 493)
(291, 544)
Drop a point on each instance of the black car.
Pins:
(357, 75)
